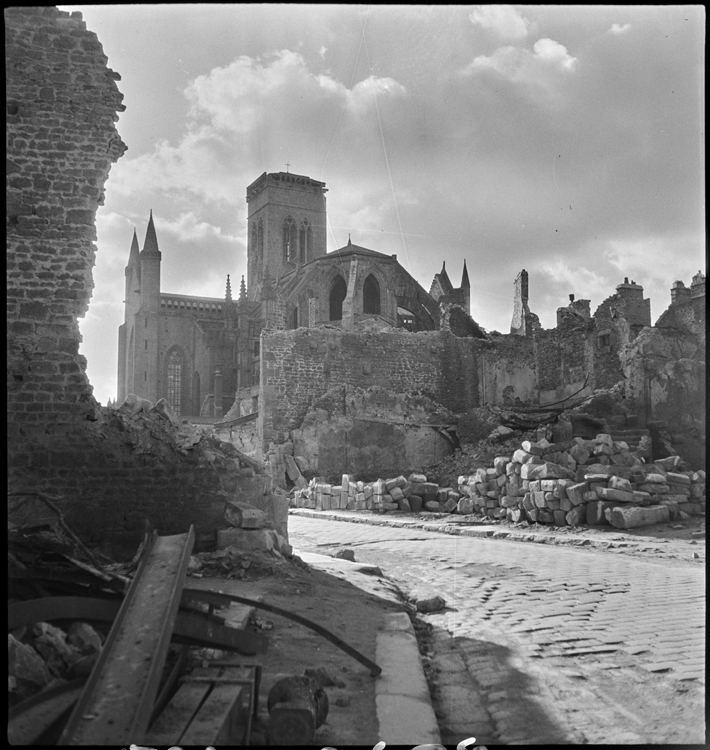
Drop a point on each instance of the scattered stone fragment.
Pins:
(345, 554)
(434, 604)
(320, 675)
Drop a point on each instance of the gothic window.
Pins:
(294, 317)
(305, 240)
(175, 380)
(338, 291)
(252, 248)
(289, 238)
(260, 238)
(371, 296)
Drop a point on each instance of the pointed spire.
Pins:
(150, 246)
(465, 283)
(350, 244)
(228, 293)
(242, 290)
(443, 268)
(135, 249)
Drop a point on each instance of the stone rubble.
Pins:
(571, 483)
(46, 655)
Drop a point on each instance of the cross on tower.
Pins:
(287, 166)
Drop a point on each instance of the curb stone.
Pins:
(404, 711)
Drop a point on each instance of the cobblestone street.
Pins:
(543, 644)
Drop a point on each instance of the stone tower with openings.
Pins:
(286, 224)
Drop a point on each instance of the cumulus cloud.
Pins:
(188, 227)
(242, 111)
(504, 20)
(617, 28)
(554, 53)
(547, 58)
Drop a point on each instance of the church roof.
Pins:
(351, 249)
(444, 281)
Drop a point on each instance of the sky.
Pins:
(565, 140)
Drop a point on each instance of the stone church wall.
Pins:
(110, 475)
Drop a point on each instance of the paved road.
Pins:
(545, 644)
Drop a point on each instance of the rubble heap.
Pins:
(597, 481)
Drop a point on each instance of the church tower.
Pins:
(286, 226)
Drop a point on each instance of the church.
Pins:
(198, 352)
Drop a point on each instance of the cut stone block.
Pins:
(633, 517)
(465, 506)
(607, 493)
(618, 483)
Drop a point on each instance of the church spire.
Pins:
(134, 261)
(228, 293)
(150, 246)
(465, 283)
(242, 290)
(135, 249)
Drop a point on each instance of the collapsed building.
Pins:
(340, 359)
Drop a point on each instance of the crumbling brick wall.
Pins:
(61, 141)
(62, 102)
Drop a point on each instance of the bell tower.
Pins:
(286, 225)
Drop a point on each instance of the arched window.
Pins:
(338, 291)
(294, 317)
(305, 240)
(174, 380)
(289, 238)
(196, 393)
(371, 296)
(260, 237)
(259, 249)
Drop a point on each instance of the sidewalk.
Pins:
(654, 540)
(355, 602)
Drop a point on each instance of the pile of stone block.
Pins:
(591, 482)
(577, 482)
(409, 494)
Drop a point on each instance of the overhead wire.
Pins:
(387, 162)
(342, 110)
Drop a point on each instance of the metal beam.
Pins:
(116, 705)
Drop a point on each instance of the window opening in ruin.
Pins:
(175, 380)
(371, 295)
(406, 320)
(305, 240)
(289, 238)
(294, 317)
(338, 292)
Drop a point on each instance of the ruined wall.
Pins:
(665, 376)
(564, 356)
(110, 475)
(298, 366)
(372, 432)
(507, 372)
(61, 141)
(458, 373)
